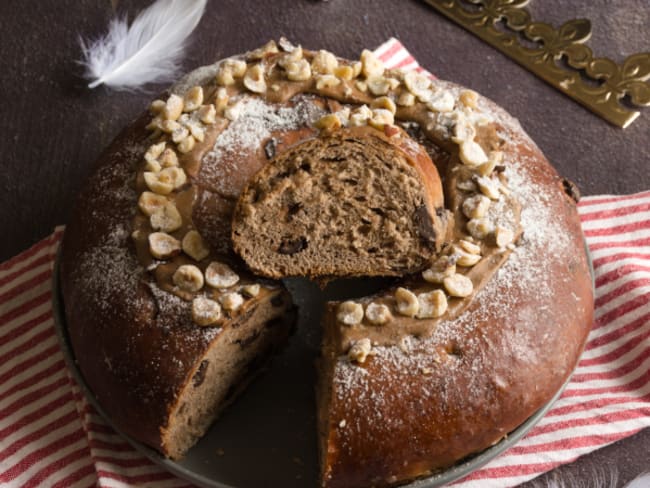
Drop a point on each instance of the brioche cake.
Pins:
(268, 164)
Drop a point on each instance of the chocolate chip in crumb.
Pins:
(425, 226)
(571, 190)
(270, 148)
(199, 376)
(292, 246)
(293, 209)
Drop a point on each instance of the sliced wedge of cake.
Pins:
(354, 202)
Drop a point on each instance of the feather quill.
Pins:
(149, 51)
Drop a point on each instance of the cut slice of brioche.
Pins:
(226, 369)
(350, 203)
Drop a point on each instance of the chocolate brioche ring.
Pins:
(168, 320)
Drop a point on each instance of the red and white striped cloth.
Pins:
(50, 435)
(608, 397)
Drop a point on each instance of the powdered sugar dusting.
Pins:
(169, 305)
(516, 295)
(110, 272)
(256, 121)
(544, 240)
(107, 271)
(200, 76)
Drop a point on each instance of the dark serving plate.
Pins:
(268, 436)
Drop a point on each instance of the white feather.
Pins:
(592, 477)
(641, 481)
(148, 51)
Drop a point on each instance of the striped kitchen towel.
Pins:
(608, 397)
(50, 436)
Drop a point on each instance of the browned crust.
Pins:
(135, 359)
(93, 331)
(457, 393)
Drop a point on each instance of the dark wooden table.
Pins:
(52, 127)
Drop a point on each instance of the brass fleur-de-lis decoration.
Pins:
(618, 82)
(610, 82)
(565, 40)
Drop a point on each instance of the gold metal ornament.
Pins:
(558, 56)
